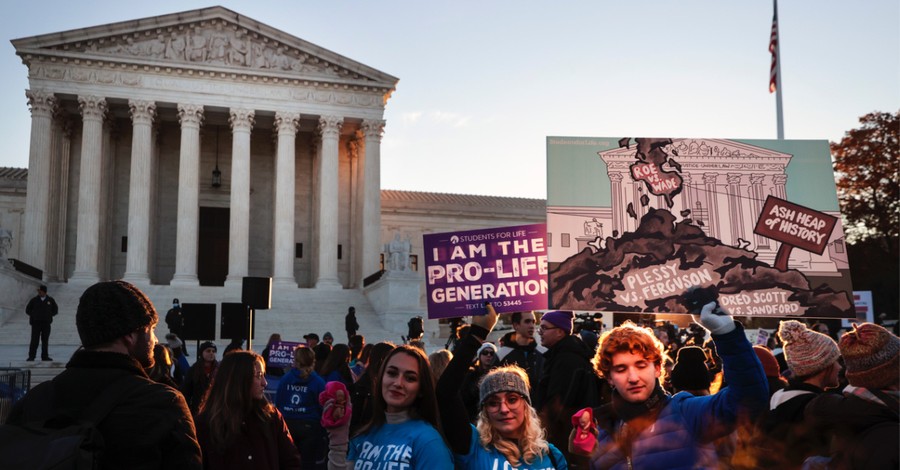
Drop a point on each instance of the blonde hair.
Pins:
(533, 442)
(304, 360)
(439, 361)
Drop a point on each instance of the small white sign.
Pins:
(865, 311)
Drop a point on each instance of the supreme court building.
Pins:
(198, 148)
(187, 151)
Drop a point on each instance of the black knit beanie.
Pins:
(690, 371)
(109, 310)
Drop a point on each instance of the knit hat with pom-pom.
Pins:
(872, 356)
(807, 352)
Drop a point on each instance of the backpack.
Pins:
(61, 442)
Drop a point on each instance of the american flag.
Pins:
(773, 48)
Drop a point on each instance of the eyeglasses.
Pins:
(513, 402)
(543, 328)
(487, 353)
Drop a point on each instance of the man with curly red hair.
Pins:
(643, 426)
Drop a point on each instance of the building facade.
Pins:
(199, 148)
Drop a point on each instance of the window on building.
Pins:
(564, 240)
(413, 262)
(839, 245)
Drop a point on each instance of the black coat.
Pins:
(866, 434)
(175, 320)
(528, 357)
(149, 428)
(564, 364)
(41, 311)
(568, 383)
(791, 437)
(351, 326)
(196, 381)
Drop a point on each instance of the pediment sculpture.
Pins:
(214, 43)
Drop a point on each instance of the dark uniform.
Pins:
(40, 309)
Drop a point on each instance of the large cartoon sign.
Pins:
(632, 223)
(506, 266)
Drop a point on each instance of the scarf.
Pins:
(887, 398)
(636, 417)
(627, 411)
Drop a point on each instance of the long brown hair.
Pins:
(229, 401)
(338, 360)
(425, 405)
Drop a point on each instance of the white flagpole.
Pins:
(778, 108)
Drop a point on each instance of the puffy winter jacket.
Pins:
(682, 435)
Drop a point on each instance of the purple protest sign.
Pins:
(281, 353)
(506, 266)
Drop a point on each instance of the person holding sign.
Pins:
(643, 426)
(508, 433)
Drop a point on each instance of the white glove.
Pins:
(716, 319)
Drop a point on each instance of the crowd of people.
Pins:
(544, 396)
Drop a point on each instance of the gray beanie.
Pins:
(504, 379)
(110, 310)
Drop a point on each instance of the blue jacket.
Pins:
(298, 398)
(682, 434)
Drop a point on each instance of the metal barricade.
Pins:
(14, 384)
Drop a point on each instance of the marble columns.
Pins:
(371, 198)
(283, 226)
(190, 116)
(327, 224)
(241, 121)
(37, 200)
(139, 187)
(93, 110)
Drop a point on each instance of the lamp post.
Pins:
(216, 174)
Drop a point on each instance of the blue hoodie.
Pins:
(298, 398)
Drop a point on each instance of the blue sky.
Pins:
(483, 83)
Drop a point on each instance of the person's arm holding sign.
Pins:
(454, 417)
(747, 389)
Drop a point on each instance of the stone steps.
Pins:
(294, 313)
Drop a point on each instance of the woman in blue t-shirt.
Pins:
(508, 433)
(404, 431)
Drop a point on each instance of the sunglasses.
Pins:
(487, 353)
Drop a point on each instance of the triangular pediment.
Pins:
(214, 39)
(711, 148)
